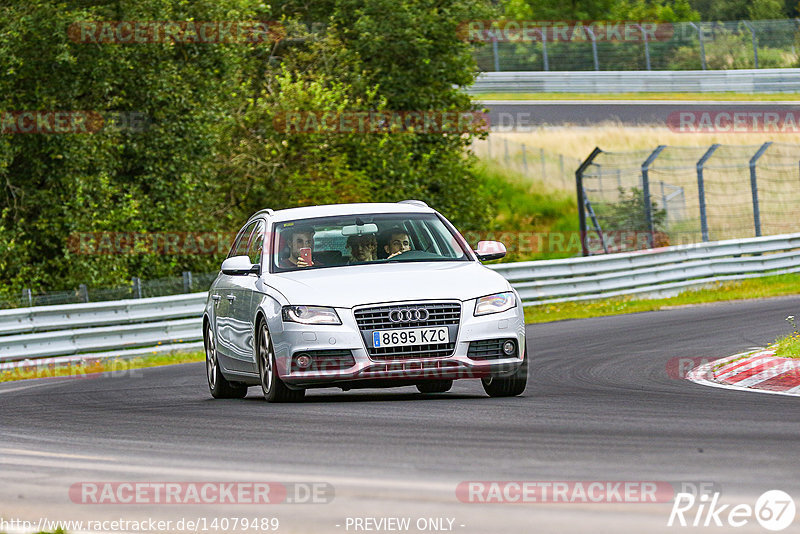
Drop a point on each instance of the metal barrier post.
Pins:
(594, 47)
(83, 292)
(505, 150)
(137, 287)
(754, 186)
(582, 198)
(755, 43)
(646, 46)
(701, 191)
(496, 53)
(187, 281)
(702, 45)
(544, 51)
(524, 160)
(648, 208)
(541, 156)
(27, 297)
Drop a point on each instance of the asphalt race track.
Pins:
(523, 115)
(600, 406)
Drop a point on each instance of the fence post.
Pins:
(600, 179)
(594, 47)
(701, 191)
(702, 45)
(544, 170)
(136, 283)
(524, 160)
(83, 292)
(582, 198)
(544, 51)
(27, 297)
(496, 53)
(646, 47)
(754, 186)
(755, 43)
(648, 208)
(664, 202)
(187, 281)
(505, 150)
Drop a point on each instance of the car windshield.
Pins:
(363, 239)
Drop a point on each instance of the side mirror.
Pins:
(238, 265)
(490, 250)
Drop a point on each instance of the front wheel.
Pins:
(218, 385)
(271, 384)
(509, 386)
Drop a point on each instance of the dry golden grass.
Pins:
(727, 177)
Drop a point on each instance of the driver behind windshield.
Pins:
(396, 241)
(298, 238)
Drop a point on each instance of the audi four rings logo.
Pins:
(412, 315)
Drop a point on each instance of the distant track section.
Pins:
(523, 115)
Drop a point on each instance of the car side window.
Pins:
(240, 248)
(256, 243)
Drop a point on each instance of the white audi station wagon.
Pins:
(360, 296)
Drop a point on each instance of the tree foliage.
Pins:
(211, 154)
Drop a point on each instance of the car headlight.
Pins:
(496, 303)
(310, 315)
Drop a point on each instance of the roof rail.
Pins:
(414, 202)
(266, 211)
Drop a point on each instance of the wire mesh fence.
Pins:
(677, 46)
(188, 283)
(554, 170)
(680, 195)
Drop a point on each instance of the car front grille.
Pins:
(439, 314)
(489, 349)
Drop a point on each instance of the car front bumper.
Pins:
(296, 338)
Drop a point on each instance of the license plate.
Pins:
(410, 336)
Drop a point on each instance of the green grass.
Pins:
(102, 366)
(771, 286)
(738, 97)
(788, 346)
(533, 221)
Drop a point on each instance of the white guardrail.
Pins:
(693, 81)
(137, 326)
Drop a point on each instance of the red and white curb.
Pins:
(759, 371)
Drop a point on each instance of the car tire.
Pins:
(508, 386)
(271, 384)
(435, 386)
(218, 385)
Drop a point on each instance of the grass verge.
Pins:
(527, 213)
(787, 346)
(116, 365)
(735, 97)
(770, 286)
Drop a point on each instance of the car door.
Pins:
(227, 290)
(246, 303)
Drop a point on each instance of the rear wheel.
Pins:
(271, 384)
(435, 386)
(218, 385)
(509, 386)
